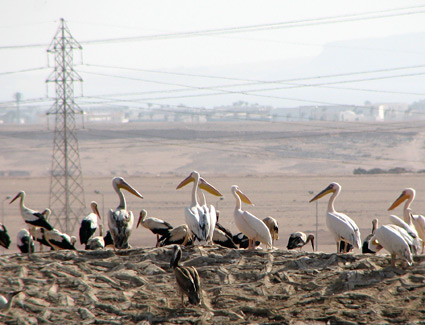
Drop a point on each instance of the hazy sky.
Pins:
(254, 32)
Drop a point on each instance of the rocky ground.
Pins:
(239, 286)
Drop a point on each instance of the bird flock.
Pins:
(402, 237)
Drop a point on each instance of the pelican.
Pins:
(200, 219)
(248, 224)
(30, 216)
(89, 224)
(395, 240)
(157, 226)
(340, 225)
(299, 239)
(271, 223)
(121, 220)
(187, 278)
(97, 242)
(417, 220)
(25, 242)
(59, 240)
(413, 240)
(180, 235)
(4, 237)
(222, 239)
(6, 302)
(365, 247)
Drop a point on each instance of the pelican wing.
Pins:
(195, 219)
(344, 227)
(253, 227)
(393, 241)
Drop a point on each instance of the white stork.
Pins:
(89, 224)
(97, 242)
(299, 239)
(4, 237)
(418, 221)
(121, 220)
(365, 246)
(59, 240)
(30, 216)
(157, 226)
(341, 226)
(187, 278)
(200, 219)
(248, 224)
(180, 235)
(24, 241)
(271, 223)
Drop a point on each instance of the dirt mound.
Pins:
(239, 286)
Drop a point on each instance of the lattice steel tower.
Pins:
(66, 181)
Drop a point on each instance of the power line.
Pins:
(22, 71)
(251, 28)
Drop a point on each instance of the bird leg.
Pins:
(345, 247)
(157, 240)
(337, 247)
(393, 260)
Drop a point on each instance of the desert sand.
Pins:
(279, 166)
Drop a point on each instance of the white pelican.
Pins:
(365, 247)
(187, 278)
(200, 219)
(299, 239)
(414, 240)
(89, 224)
(6, 302)
(395, 240)
(24, 241)
(121, 220)
(248, 224)
(180, 235)
(417, 220)
(340, 225)
(157, 226)
(271, 223)
(97, 242)
(59, 240)
(30, 216)
(4, 237)
(222, 239)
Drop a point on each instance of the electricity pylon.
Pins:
(66, 181)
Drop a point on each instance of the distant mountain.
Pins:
(338, 58)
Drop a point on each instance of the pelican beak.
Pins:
(124, 185)
(327, 190)
(243, 197)
(399, 200)
(186, 181)
(17, 195)
(204, 185)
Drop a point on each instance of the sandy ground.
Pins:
(279, 166)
